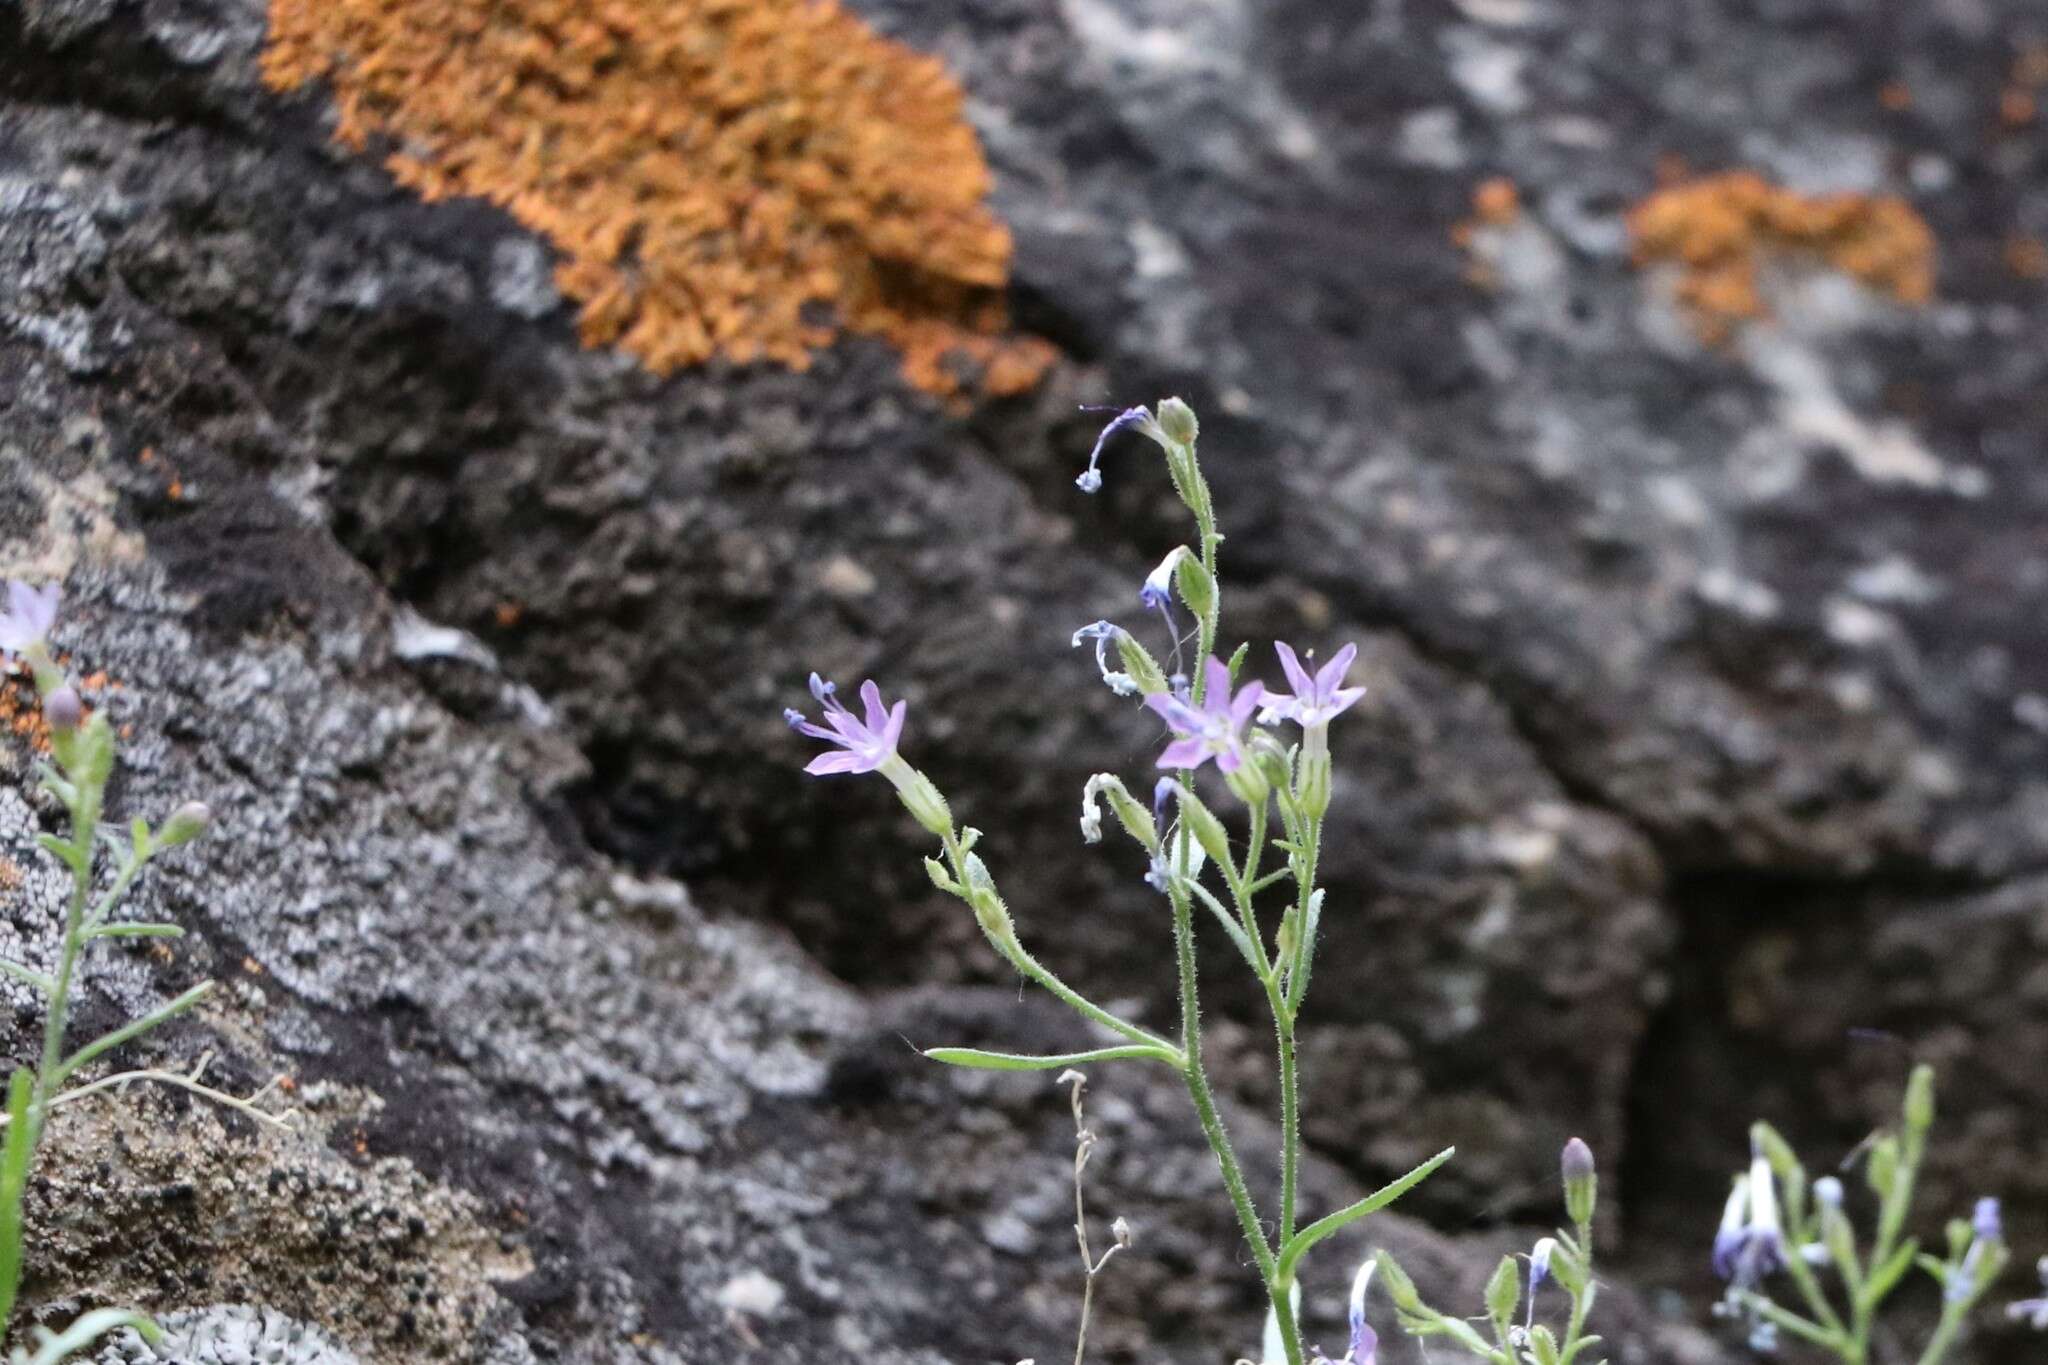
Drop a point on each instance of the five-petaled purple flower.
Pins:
(30, 614)
(1215, 729)
(864, 747)
(1090, 480)
(1316, 699)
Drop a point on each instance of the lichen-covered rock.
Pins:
(228, 1334)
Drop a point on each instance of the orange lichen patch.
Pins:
(2026, 257)
(1720, 230)
(736, 178)
(2017, 107)
(1896, 96)
(1496, 202)
(21, 708)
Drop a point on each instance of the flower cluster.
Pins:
(1192, 858)
(1777, 1223)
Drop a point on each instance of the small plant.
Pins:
(1566, 1260)
(1777, 1222)
(82, 760)
(1191, 857)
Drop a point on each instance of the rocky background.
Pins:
(1704, 773)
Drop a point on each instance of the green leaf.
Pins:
(976, 1059)
(134, 929)
(1237, 661)
(1298, 1245)
(108, 1041)
(14, 1158)
(84, 1331)
(32, 977)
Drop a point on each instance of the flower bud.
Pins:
(1504, 1292)
(941, 878)
(1400, 1288)
(1920, 1098)
(1985, 1222)
(63, 710)
(1581, 1181)
(1120, 1233)
(1248, 784)
(1197, 588)
(1177, 420)
(1883, 1168)
(1202, 822)
(187, 823)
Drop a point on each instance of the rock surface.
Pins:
(1697, 670)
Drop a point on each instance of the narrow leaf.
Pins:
(88, 1329)
(134, 929)
(1298, 1245)
(14, 1158)
(29, 975)
(108, 1041)
(975, 1058)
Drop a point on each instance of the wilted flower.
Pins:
(1985, 1221)
(2033, 1312)
(1750, 1242)
(1104, 634)
(865, 746)
(1216, 729)
(30, 614)
(1138, 417)
(1316, 700)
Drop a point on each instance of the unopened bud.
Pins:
(1581, 1181)
(1504, 1292)
(1120, 1233)
(63, 710)
(1827, 1192)
(1920, 1098)
(187, 823)
(1177, 420)
(1986, 1223)
(1400, 1288)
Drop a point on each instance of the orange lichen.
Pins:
(735, 178)
(1496, 202)
(1721, 229)
(2026, 257)
(1896, 96)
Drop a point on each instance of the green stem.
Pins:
(1212, 1124)
(48, 1073)
(1290, 1113)
(1952, 1316)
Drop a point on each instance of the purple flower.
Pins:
(1213, 731)
(1091, 478)
(1365, 1343)
(1104, 634)
(1750, 1243)
(1317, 699)
(866, 746)
(30, 614)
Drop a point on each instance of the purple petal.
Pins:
(804, 727)
(892, 730)
(1365, 1343)
(871, 702)
(1331, 676)
(1183, 753)
(1230, 760)
(838, 761)
(1297, 676)
(1242, 705)
(1345, 698)
(1175, 712)
(1217, 697)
